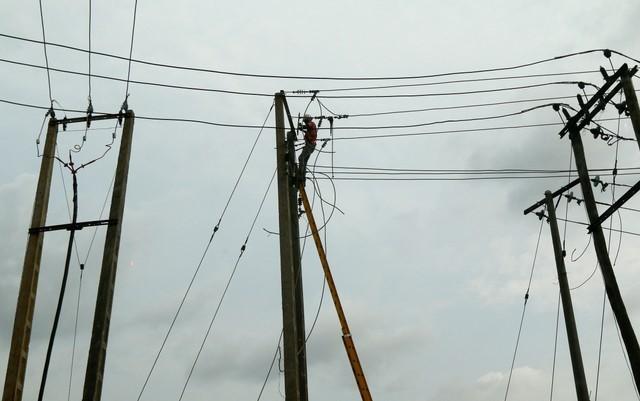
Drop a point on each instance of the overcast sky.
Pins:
(432, 274)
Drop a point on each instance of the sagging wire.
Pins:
(75, 332)
(226, 288)
(273, 361)
(317, 191)
(199, 265)
(524, 308)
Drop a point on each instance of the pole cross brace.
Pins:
(69, 227)
(556, 193)
(615, 206)
(599, 99)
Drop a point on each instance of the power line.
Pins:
(447, 121)
(46, 58)
(456, 81)
(261, 94)
(524, 309)
(331, 78)
(466, 106)
(133, 30)
(89, 52)
(472, 92)
(470, 170)
(481, 178)
(204, 254)
(226, 125)
(146, 83)
(457, 131)
(604, 228)
(226, 288)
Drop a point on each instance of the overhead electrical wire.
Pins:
(89, 53)
(226, 288)
(524, 310)
(472, 178)
(456, 81)
(204, 254)
(262, 94)
(133, 31)
(46, 57)
(465, 106)
(341, 138)
(453, 131)
(471, 170)
(329, 78)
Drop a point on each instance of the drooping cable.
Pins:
(75, 332)
(199, 265)
(63, 286)
(226, 288)
(524, 309)
(334, 78)
(217, 124)
(273, 362)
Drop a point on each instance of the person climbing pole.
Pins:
(310, 135)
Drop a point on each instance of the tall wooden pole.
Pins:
(17, 365)
(600, 245)
(567, 307)
(292, 303)
(632, 103)
(102, 316)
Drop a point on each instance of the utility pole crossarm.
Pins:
(554, 194)
(599, 99)
(615, 206)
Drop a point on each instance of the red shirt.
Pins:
(311, 133)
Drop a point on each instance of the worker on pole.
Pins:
(310, 135)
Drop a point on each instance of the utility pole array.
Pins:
(23, 321)
(575, 124)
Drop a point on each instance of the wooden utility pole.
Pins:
(567, 307)
(295, 376)
(102, 317)
(632, 103)
(17, 365)
(600, 245)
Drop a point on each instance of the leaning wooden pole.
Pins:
(567, 306)
(19, 351)
(104, 302)
(600, 245)
(346, 333)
